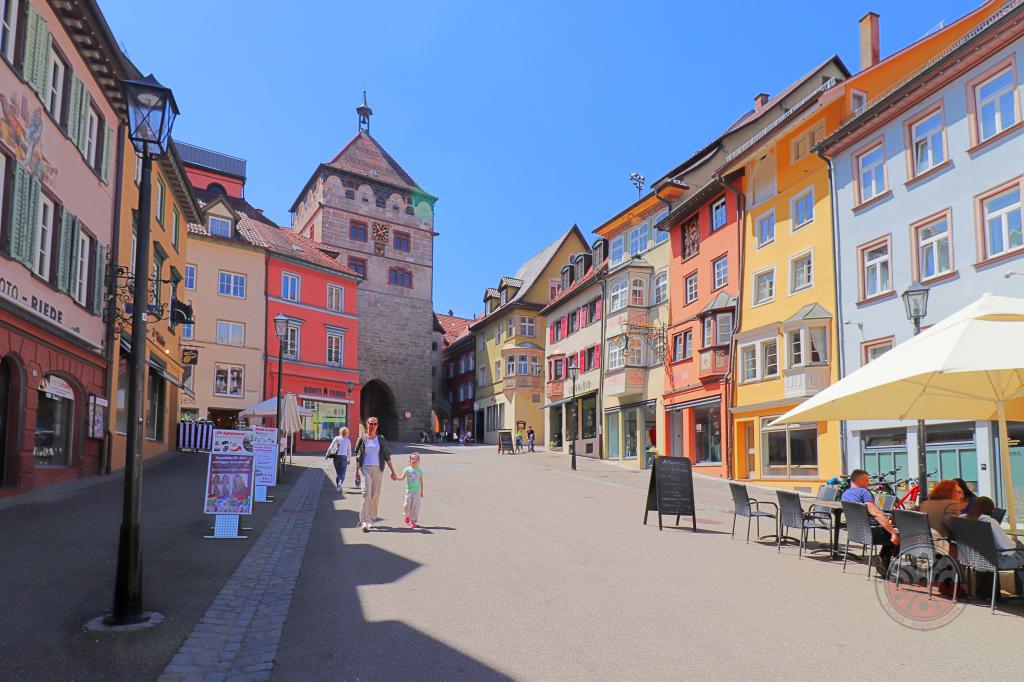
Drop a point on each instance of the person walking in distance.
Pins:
(531, 439)
(372, 454)
(413, 477)
(340, 450)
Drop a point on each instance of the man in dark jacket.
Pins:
(372, 454)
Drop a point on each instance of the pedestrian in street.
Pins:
(531, 438)
(413, 477)
(372, 454)
(340, 450)
(519, 438)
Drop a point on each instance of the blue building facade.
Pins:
(927, 187)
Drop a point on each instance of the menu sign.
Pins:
(264, 449)
(230, 473)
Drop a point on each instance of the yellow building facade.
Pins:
(172, 208)
(786, 347)
(510, 337)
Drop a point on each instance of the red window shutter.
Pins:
(565, 326)
(551, 333)
(597, 310)
(565, 367)
(597, 353)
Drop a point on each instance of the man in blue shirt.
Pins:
(882, 531)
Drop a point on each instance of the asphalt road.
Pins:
(526, 570)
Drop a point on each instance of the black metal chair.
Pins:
(744, 505)
(792, 515)
(917, 543)
(976, 549)
(999, 514)
(858, 530)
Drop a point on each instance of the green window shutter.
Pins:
(97, 279)
(84, 104)
(105, 162)
(74, 108)
(75, 227)
(37, 51)
(23, 214)
(64, 252)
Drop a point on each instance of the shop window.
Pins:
(789, 450)
(588, 416)
(229, 381)
(55, 418)
(612, 423)
(325, 420)
(156, 398)
(707, 427)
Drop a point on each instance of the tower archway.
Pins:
(377, 400)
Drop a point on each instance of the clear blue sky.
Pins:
(523, 117)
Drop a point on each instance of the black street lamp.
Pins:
(915, 301)
(281, 329)
(574, 372)
(151, 114)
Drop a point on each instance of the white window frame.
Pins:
(800, 346)
(231, 329)
(723, 328)
(339, 340)
(932, 245)
(44, 237)
(927, 143)
(618, 294)
(9, 28)
(55, 70)
(794, 205)
(92, 133)
(748, 373)
(876, 172)
(707, 331)
(527, 326)
(858, 100)
(291, 277)
(190, 268)
(993, 99)
(691, 288)
(292, 350)
(868, 346)
(188, 330)
(870, 269)
(335, 298)
(762, 355)
(794, 263)
(1000, 216)
(616, 356)
(720, 279)
(761, 219)
(234, 279)
(755, 300)
(637, 291)
(497, 370)
(228, 372)
(619, 243)
(660, 289)
(82, 271)
(719, 203)
(639, 238)
(219, 219)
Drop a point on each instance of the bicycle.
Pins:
(910, 498)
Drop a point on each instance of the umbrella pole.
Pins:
(1004, 454)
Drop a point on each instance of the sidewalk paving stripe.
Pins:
(240, 632)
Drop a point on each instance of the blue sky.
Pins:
(523, 117)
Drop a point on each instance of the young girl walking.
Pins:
(413, 477)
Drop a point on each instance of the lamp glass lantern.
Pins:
(280, 326)
(151, 114)
(915, 301)
(574, 371)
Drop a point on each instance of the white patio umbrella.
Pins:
(268, 408)
(290, 421)
(969, 366)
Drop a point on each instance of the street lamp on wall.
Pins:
(281, 329)
(915, 303)
(574, 372)
(151, 115)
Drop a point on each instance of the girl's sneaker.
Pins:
(407, 519)
(413, 524)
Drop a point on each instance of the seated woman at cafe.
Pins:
(982, 511)
(943, 504)
(969, 496)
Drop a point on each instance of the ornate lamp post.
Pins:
(915, 301)
(281, 329)
(151, 114)
(574, 372)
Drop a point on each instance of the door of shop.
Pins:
(223, 419)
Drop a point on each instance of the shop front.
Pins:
(631, 431)
(331, 406)
(695, 432)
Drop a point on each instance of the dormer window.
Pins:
(578, 265)
(219, 227)
(504, 296)
(598, 251)
(566, 278)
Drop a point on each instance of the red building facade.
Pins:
(458, 364)
(704, 231)
(318, 295)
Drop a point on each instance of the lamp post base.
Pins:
(146, 619)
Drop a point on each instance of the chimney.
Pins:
(869, 47)
(760, 99)
(451, 313)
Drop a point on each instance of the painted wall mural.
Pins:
(21, 128)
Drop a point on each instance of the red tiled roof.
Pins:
(587, 278)
(286, 243)
(454, 327)
(363, 155)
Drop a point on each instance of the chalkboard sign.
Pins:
(505, 442)
(671, 489)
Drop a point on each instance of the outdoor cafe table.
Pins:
(837, 514)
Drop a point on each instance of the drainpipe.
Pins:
(603, 278)
(841, 347)
(111, 308)
(741, 208)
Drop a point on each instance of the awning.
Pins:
(162, 371)
(700, 402)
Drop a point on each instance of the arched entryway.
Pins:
(376, 400)
(10, 400)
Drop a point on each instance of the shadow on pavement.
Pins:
(327, 634)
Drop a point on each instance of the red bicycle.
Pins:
(909, 499)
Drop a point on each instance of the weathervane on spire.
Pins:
(365, 112)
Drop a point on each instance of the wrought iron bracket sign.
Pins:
(651, 334)
(120, 283)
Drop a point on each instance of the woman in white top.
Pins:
(982, 510)
(341, 449)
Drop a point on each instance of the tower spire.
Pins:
(365, 112)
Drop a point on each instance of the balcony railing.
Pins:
(714, 362)
(554, 390)
(803, 382)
